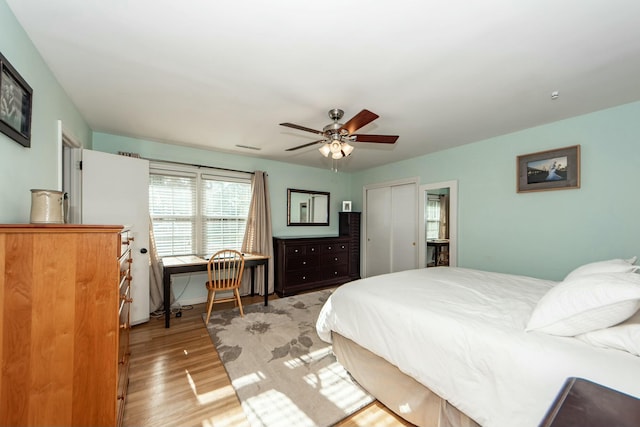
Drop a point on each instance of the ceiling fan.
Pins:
(337, 136)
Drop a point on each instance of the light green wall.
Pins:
(281, 176)
(22, 169)
(543, 234)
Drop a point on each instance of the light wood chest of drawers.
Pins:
(65, 296)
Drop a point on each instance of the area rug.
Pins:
(282, 372)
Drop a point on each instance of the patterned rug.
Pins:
(283, 374)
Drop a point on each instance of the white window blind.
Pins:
(433, 217)
(225, 205)
(194, 212)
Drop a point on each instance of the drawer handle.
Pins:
(295, 250)
(304, 262)
(304, 277)
(335, 273)
(335, 259)
(329, 247)
(313, 249)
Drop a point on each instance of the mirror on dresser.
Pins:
(306, 207)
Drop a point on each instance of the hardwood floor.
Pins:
(177, 379)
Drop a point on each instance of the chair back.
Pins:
(225, 270)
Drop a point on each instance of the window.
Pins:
(197, 210)
(433, 217)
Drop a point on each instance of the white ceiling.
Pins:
(440, 73)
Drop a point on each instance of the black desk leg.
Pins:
(253, 278)
(266, 283)
(166, 283)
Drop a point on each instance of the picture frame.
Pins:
(557, 169)
(346, 206)
(16, 99)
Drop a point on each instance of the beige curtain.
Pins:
(258, 236)
(156, 290)
(443, 233)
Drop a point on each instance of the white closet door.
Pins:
(404, 223)
(115, 190)
(391, 228)
(378, 233)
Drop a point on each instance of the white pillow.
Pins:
(586, 303)
(625, 336)
(610, 266)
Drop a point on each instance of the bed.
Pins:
(449, 346)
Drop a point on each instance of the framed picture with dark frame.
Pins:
(557, 169)
(15, 104)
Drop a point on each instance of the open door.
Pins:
(431, 245)
(115, 190)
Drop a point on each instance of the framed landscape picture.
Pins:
(15, 104)
(549, 170)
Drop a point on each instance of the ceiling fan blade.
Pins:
(291, 125)
(383, 139)
(304, 145)
(364, 117)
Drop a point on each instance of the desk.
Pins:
(192, 264)
(441, 246)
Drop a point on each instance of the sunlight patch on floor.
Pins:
(210, 396)
(308, 358)
(252, 378)
(334, 384)
(236, 419)
(273, 408)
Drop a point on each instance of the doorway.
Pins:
(438, 224)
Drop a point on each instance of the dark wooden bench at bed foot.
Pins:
(582, 403)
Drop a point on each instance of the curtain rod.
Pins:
(196, 165)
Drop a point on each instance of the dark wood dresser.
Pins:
(307, 263)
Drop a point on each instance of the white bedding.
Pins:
(460, 332)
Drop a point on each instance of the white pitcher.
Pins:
(47, 207)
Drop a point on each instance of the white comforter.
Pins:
(460, 332)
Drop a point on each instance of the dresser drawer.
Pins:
(335, 272)
(125, 242)
(295, 278)
(334, 247)
(300, 263)
(295, 250)
(334, 258)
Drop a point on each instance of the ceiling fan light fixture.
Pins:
(325, 150)
(337, 136)
(335, 146)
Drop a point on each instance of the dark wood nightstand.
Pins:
(582, 403)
